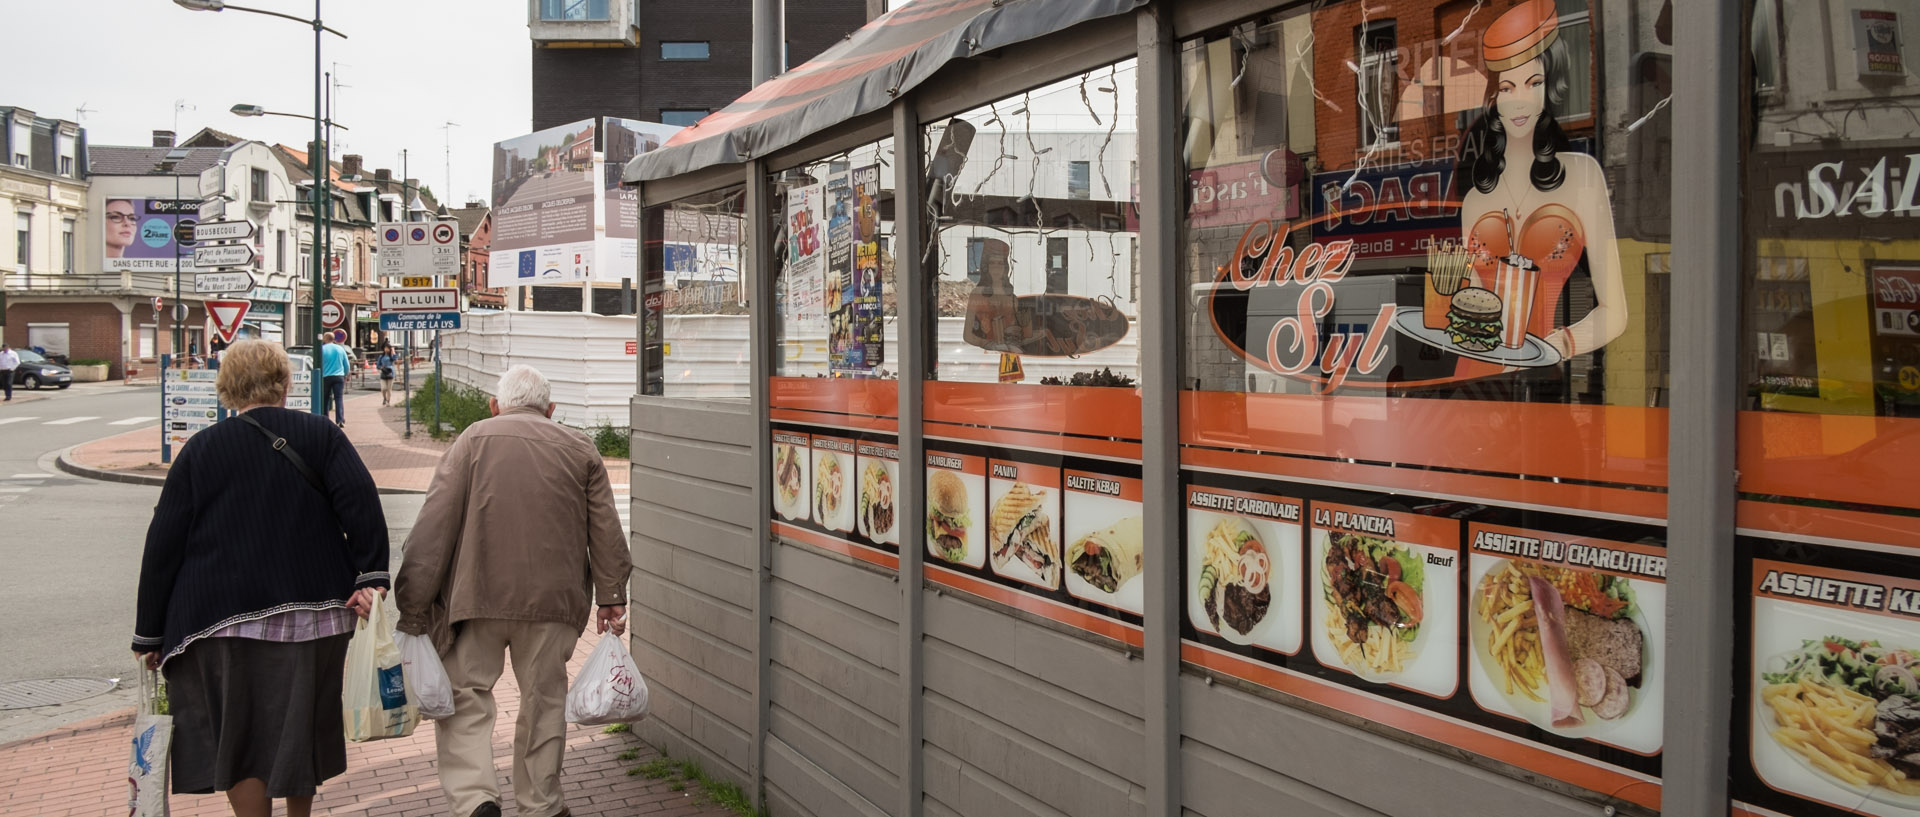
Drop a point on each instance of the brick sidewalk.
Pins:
(398, 463)
(81, 770)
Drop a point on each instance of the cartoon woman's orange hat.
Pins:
(1519, 35)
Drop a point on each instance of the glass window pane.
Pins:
(1037, 232)
(834, 291)
(1423, 328)
(683, 50)
(681, 117)
(698, 297)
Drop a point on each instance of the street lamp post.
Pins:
(322, 193)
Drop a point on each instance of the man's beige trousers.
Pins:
(465, 741)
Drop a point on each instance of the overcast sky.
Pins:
(408, 67)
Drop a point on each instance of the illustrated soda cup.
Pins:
(1515, 280)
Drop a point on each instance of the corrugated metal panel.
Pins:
(693, 584)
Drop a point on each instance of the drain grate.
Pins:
(50, 691)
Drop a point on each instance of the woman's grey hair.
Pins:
(524, 386)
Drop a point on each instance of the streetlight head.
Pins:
(246, 110)
(201, 5)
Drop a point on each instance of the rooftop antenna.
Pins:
(446, 135)
(81, 112)
(334, 84)
(178, 106)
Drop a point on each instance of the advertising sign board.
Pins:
(543, 213)
(138, 234)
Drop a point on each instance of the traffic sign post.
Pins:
(332, 314)
(412, 321)
(239, 282)
(445, 299)
(227, 316)
(414, 249)
(222, 230)
(223, 255)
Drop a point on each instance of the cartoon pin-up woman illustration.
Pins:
(1532, 209)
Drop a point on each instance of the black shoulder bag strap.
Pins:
(280, 445)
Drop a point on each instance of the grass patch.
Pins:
(460, 406)
(612, 440)
(617, 728)
(680, 772)
(630, 754)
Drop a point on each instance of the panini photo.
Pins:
(1020, 529)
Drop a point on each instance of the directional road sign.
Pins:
(238, 282)
(408, 321)
(227, 316)
(222, 230)
(213, 208)
(332, 314)
(223, 255)
(419, 300)
(213, 181)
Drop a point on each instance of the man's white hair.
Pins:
(524, 386)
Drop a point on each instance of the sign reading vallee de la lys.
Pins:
(420, 300)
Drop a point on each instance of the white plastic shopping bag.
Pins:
(426, 676)
(376, 701)
(609, 688)
(152, 740)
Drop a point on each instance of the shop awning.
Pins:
(862, 74)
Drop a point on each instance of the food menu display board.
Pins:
(1385, 596)
(1827, 708)
(1564, 633)
(1497, 631)
(834, 489)
(1053, 535)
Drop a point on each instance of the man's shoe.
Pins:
(486, 810)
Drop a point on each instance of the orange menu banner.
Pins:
(1084, 482)
(1039, 476)
(1582, 552)
(1431, 531)
(1243, 503)
(1839, 589)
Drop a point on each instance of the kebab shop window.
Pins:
(834, 289)
(1032, 413)
(698, 298)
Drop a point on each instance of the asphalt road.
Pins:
(71, 547)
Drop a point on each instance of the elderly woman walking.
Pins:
(267, 541)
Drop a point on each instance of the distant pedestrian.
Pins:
(260, 553)
(516, 540)
(9, 360)
(333, 376)
(385, 362)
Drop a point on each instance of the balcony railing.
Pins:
(141, 284)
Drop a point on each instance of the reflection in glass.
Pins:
(696, 320)
(1036, 249)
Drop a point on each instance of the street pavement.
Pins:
(72, 548)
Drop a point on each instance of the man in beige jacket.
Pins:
(517, 538)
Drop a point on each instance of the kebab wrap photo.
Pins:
(1108, 558)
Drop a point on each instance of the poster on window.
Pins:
(867, 316)
(804, 282)
(843, 358)
(1828, 708)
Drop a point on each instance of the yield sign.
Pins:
(227, 316)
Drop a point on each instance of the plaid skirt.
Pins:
(244, 708)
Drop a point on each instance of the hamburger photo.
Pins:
(1473, 322)
(947, 516)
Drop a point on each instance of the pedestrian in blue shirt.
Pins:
(333, 376)
(385, 362)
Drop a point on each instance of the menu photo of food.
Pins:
(791, 466)
(956, 508)
(879, 469)
(1836, 703)
(1107, 543)
(1386, 596)
(833, 492)
(1023, 523)
(1568, 635)
(1243, 567)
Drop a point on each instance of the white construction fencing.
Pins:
(584, 356)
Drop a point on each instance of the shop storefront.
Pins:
(1415, 407)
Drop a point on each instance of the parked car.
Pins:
(35, 371)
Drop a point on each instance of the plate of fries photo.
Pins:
(1845, 708)
(1571, 651)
